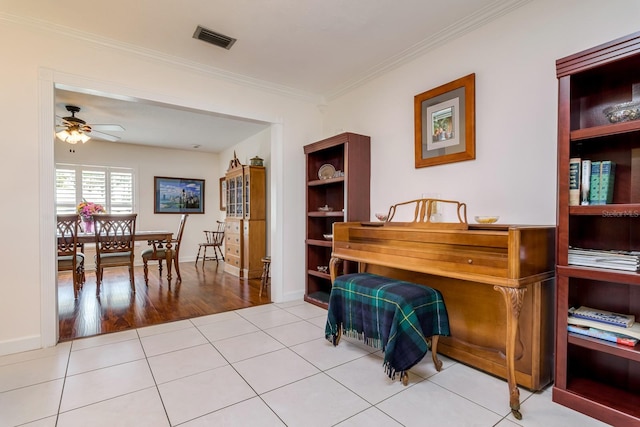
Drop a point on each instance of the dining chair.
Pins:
(157, 252)
(114, 244)
(69, 258)
(213, 239)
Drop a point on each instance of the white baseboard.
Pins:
(19, 345)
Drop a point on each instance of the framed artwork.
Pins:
(178, 195)
(445, 123)
(223, 194)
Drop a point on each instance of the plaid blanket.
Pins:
(388, 314)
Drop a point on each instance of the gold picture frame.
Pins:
(445, 123)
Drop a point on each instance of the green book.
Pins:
(574, 181)
(594, 189)
(607, 178)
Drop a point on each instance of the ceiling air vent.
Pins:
(214, 38)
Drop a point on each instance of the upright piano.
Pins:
(497, 282)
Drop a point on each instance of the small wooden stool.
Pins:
(266, 265)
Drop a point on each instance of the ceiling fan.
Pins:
(73, 129)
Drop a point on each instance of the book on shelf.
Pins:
(594, 183)
(603, 335)
(585, 183)
(613, 259)
(633, 331)
(607, 179)
(618, 319)
(574, 181)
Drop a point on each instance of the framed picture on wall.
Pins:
(178, 195)
(445, 129)
(223, 194)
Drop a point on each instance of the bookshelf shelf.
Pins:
(597, 377)
(619, 350)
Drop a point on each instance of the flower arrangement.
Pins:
(86, 209)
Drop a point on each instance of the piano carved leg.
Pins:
(513, 298)
(433, 344)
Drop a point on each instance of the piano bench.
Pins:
(401, 318)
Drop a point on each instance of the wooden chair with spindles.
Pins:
(214, 239)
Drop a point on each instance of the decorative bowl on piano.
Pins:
(325, 208)
(624, 112)
(382, 217)
(486, 219)
(328, 236)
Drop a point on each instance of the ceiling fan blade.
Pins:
(107, 127)
(105, 136)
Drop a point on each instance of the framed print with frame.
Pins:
(445, 123)
(178, 195)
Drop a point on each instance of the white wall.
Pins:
(35, 60)
(514, 173)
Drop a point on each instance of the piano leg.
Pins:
(513, 298)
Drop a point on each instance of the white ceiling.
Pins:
(317, 49)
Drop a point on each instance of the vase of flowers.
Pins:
(86, 210)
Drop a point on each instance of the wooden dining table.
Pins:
(162, 236)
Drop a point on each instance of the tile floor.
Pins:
(262, 366)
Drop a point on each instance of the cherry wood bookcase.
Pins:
(347, 195)
(595, 377)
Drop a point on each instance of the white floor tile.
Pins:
(95, 386)
(60, 350)
(253, 412)
(30, 403)
(307, 311)
(32, 372)
(426, 369)
(257, 309)
(367, 378)
(269, 319)
(540, 411)
(319, 321)
(295, 333)
(45, 422)
(164, 327)
(181, 363)
(427, 403)
(141, 409)
(323, 355)
(99, 340)
(485, 390)
(227, 329)
(172, 341)
(105, 355)
(372, 417)
(197, 395)
(315, 401)
(213, 318)
(274, 369)
(246, 346)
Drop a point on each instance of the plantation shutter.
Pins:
(110, 187)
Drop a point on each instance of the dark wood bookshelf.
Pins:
(347, 195)
(596, 377)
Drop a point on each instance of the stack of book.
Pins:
(605, 325)
(617, 260)
(591, 182)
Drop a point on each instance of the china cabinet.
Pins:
(596, 377)
(337, 190)
(245, 228)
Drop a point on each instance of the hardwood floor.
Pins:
(202, 291)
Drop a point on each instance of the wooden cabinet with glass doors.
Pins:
(597, 377)
(338, 176)
(245, 228)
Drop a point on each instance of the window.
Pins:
(111, 187)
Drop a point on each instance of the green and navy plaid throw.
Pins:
(392, 315)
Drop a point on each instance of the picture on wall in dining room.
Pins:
(178, 195)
